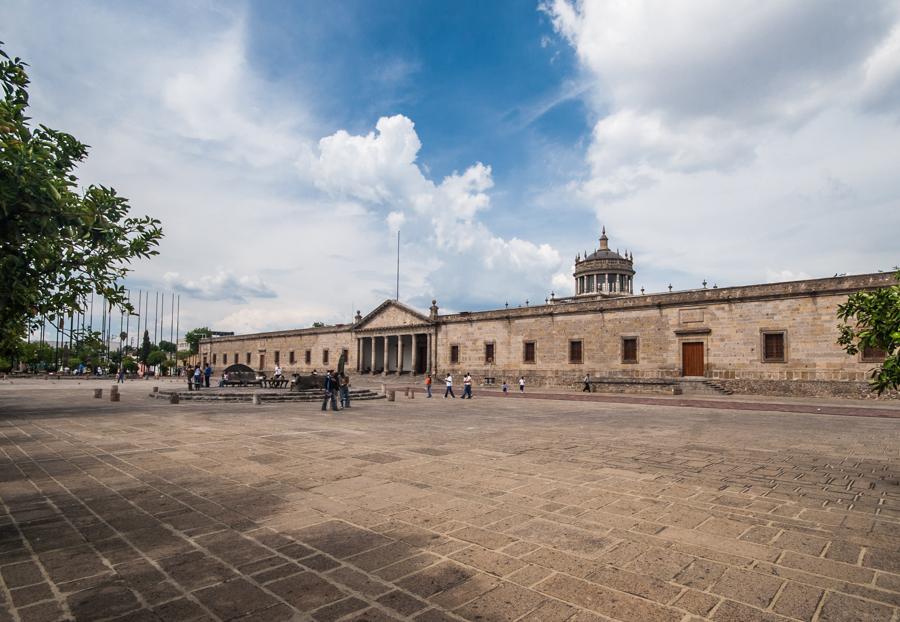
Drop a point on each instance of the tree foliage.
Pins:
(194, 336)
(167, 346)
(58, 243)
(156, 357)
(872, 321)
(146, 348)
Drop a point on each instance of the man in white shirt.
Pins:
(467, 386)
(449, 391)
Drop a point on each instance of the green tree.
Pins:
(129, 364)
(146, 348)
(872, 321)
(318, 324)
(156, 357)
(193, 337)
(168, 346)
(57, 243)
(184, 356)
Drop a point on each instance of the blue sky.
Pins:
(283, 144)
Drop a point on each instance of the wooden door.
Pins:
(692, 359)
(262, 362)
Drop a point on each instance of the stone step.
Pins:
(702, 386)
(285, 396)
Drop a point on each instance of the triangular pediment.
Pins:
(392, 314)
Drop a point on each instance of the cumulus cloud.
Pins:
(219, 286)
(722, 129)
(445, 240)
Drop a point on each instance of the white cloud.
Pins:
(273, 218)
(729, 133)
(446, 241)
(219, 286)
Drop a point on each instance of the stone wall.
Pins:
(731, 334)
(808, 388)
(729, 322)
(316, 340)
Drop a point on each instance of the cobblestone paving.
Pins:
(433, 510)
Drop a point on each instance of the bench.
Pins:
(243, 379)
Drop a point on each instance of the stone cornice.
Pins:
(831, 286)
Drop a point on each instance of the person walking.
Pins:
(467, 386)
(521, 384)
(120, 377)
(345, 391)
(207, 372)
(449, 391)
(198, 377)
(428, 385)
(505, 388)
(587, 383)
(330, 389)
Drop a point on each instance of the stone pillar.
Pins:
(372, 356)
(399, 354)
(415, 355)
(358, 355)
(384, 371)
(429, 368)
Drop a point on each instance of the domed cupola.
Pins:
(604, 272)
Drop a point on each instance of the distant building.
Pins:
(777, 338)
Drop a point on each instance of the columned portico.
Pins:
(394, 339)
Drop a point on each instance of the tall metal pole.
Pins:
(162, 314)
(108, 330)
(178, 328)
(128, 321)
(172, 322)
(91, 323)
(155, 317)
(398, 265)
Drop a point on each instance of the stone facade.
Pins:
(729, 324)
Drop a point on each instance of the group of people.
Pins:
(199, 377)
(467, 386)
(336, 385)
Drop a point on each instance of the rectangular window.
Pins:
(214, 358)
(277, 357)
(629, 350)
(346, 354)
(262, 362)
(225, 358)
(773, 347)
(237, 358)
(454, 354)
(872, 355)
(575, 352)
(307, 356)
(248, 358)
(325, 356)
(528, 352)
(488, 353)
(291, 358)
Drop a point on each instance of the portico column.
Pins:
(415, 355)
(386, 350)
(399, 354)
(358, 355)
(372, 355)
(428, 366)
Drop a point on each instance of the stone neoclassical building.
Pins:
(777, 338)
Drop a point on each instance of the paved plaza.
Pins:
(491, 509)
